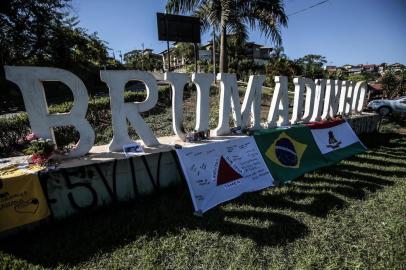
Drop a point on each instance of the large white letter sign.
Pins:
(29, 80)
(230, 99)
(348, 98)
(251, 106)
(120, 110)
(178, 81)
(332, 98)
(310, 97)
(318, 100)
(343, 95)
(279, 110)
(358, 97)
(228, 94)
(297, 100)
(203, 82)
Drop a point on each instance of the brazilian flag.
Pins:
(289, 152)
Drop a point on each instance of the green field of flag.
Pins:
(290, 152)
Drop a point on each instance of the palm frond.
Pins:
(182, 6)
(266, 15)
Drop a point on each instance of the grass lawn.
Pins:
(350, 215)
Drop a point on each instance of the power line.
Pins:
(302, 10)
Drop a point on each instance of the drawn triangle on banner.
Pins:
(226, 173)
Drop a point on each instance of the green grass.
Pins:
(348, 216)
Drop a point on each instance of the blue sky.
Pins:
(344, 31)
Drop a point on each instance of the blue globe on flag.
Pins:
(285, 152)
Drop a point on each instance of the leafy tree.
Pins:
(364, 76)
(245, 68)
(40, 32)
(358, 77)
(26, 27)
(402, 82)
(390, 83)
(141, 61)
(185, 52)
(338, 75)
(280, 65)
(235, 16)
(311, 66)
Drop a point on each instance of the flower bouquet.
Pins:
(41, 150)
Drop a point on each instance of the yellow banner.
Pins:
(22, 200)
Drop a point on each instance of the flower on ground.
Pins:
(31, 137)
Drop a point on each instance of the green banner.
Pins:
(290, 152)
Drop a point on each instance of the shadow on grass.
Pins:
(351, 179)
(349, 192)
(380, 170)
(380, 162)
(386, 155)
(77, 238)
(80, 237)
(317, 204)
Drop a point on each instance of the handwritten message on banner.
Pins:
(220, 171)
(22, 200)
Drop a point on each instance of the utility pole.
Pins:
(167, 43)
(121, 56)
(142, 56)
(214, 54)
(169, 57)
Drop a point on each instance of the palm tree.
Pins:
(235, 16)
(279, 64)
(184, 51)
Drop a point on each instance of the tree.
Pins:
(358, 77)
(26, 27)
(40, 32)
(185, 51)
(390, 83)
(280, 65)
(312, 66)
(235, 16)
(364, 76)
(338, 75)
(143, 61)
(402, 82)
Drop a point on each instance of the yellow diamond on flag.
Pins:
(286, 152)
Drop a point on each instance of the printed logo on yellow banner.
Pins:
(22, 200)
(286, 152)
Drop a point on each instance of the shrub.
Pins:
(13, 129)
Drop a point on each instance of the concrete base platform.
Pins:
(101, 178)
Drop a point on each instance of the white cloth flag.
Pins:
(220, 171)
(333, 136)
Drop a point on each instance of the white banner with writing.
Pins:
(220, 171)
